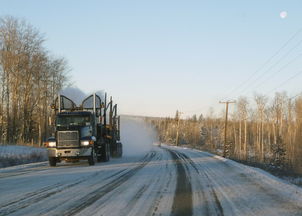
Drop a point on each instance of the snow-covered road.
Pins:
(164, 181)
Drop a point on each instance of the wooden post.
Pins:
(177, 132)
(226, 125)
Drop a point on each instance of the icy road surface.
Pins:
(165, 181)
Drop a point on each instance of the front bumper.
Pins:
(70, 153)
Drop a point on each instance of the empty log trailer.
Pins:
(90, 131)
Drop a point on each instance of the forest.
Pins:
(262, 131)
(30, 78)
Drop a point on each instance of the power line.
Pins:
(295, 96)
(280, 70)
(270, 68)
(289, 99)
(289, 79)
(264, 64)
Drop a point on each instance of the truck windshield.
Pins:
(72, 120)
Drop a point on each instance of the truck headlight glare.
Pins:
(85, 142)
(51, 144)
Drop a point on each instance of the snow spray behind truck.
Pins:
(90, 131)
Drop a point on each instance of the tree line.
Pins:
(30, 78)
(261, 131)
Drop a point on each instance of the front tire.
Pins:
(52, 161)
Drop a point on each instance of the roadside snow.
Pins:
(11, 155)
(289, 190)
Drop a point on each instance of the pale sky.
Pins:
(157, 56)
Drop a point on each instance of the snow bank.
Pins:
(11, 155)
(289, 190)
(137, 135)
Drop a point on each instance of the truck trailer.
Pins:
(89, 132)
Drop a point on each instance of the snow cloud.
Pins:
(77, 95)
(137, 136)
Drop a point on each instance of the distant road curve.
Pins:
(164, 181)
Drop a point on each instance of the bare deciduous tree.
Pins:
(30, 80)
(268, 133)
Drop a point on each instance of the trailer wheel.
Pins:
(92, 158)
(52, 161)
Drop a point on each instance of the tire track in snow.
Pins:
(45, 192)
(16, 172)
(141, 191)
(29, 195)
(198, 186)
(264, 201)
(34, 197)
(218, 207)
(212, 204)
(134, 200)
(90, 198)
(139, 195)
(162, 190)
(182, 204)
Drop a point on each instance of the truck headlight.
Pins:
(51, 144)
(85, 142)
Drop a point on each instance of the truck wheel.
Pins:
(106, 153)
(92, 158)
(98, 152)
(52, 161)
(99, 158)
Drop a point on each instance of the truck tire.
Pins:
(92, 158)
(106, 153)
(52, 161)
(98, 151)
(99, 157)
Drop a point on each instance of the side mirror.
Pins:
(98, 111)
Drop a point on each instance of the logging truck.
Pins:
(89, 132)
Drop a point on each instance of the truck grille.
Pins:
(68, 139)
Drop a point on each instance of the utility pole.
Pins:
(178, 118)
(226, 124)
